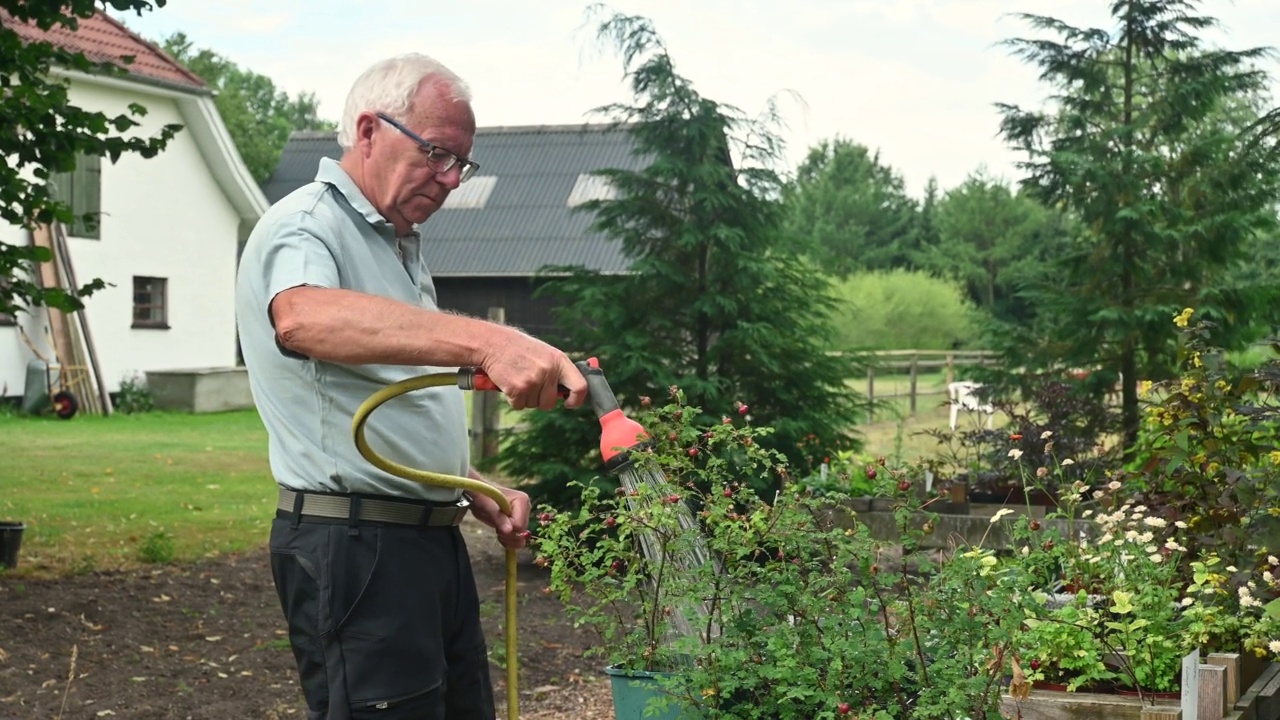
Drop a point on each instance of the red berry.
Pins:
(1035, 525)
(610, 522)
(545, 517)
(880, 461)
(875, 568)
(673, 499)
(1035, 664)
(672, 436)
(742, 409)
(616, 566)
(844, 708)
(871, 473)
(645, 401)
(781, 556)
(693, 452)
(904, 485)
(726, 421)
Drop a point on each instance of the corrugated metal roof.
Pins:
(526, 222)
(102, 39)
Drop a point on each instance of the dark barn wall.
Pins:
(475, 295)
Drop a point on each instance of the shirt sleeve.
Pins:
(296, 254)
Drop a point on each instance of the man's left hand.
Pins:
(512, 530)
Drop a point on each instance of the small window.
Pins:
(150, 303)
(591, 187)
(471, 195)
(82, 190)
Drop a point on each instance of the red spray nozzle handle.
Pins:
(481, 381)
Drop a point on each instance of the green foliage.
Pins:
(46, 132)
(156, 548)
(258, 115)
(134, 396)
(990, 239)
(716, 303)
(850, 211)
(796, 614)
(901, 309)
(1210, 449)
(1147, 142)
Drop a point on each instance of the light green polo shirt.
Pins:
(327, 234)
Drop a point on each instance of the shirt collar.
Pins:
(331, 172)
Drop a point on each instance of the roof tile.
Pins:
(103, 39)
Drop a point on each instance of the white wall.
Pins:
(162, 217)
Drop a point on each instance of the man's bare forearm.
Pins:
(355, 328)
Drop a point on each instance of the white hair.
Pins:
(389, 86)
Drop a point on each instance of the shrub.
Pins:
(901, 309)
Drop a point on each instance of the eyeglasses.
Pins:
(438, 159)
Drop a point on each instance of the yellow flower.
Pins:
(1144, 387)
(1182, 318)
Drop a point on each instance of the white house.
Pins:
(170, 225)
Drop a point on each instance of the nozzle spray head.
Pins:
(619, 434)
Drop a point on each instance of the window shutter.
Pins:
(86, 196)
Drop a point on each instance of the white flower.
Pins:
(1130, 534)
(1068, 461)
(1180, 525)
(1154, 522)
(1140, 509)
(1274, 561)
(1232, 568)
(1266, 575)
(1274, 646)
(1173, 545)
(1114, 484)
(1104, 539)
(1015, 453)
(1097, 494)
(1151, 548)
(1025, 551)
(1146, 537)
(1187, 601)
(1001, 513)
(1087, 513)
(1155, 557)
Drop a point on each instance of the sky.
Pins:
(916, 80)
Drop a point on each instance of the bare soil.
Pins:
(207, 641)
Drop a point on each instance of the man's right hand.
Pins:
(531, 373)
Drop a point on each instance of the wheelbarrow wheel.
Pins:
(65, 404)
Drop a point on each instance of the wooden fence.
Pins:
(884, 363)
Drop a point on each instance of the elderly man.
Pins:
(333, 303)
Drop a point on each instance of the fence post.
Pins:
(915, 360)
(485, 411)
(951, 368)
(871, 393)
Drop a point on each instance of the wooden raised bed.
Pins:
(1229, 689)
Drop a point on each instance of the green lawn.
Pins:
(92, 490)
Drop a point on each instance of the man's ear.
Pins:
(366, 125)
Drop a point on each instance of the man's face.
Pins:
(401, 184)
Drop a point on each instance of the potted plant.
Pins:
(794, 610)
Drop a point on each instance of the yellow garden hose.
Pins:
(447, 481)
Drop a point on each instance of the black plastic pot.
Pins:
(10, 541)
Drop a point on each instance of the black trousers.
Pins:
(384, 620)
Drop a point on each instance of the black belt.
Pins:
(399, 512)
